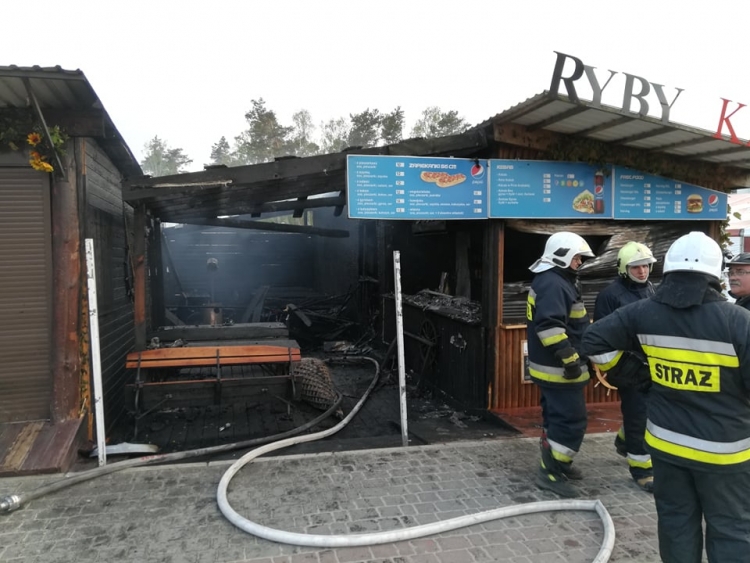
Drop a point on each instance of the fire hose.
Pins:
(356, 540)
(9, 503)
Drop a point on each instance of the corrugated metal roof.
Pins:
(67, 92)
(613, 125)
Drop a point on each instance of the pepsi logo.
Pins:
(477, 171)
(713, 200)
(599, 190)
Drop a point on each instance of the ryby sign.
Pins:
(629, 93)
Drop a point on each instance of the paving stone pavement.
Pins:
(169, 513)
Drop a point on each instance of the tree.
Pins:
(264, 139)
(437, 123)
(221, 153)
(392, 126)
(365, 130)
(300, 142)
(160, 160)
(334, 135)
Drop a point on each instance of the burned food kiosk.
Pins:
(468, 229)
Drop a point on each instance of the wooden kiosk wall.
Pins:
(506, 388)
(509, 391)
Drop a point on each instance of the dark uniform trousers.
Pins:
(633, 408)
(721, 496)
(564, 411)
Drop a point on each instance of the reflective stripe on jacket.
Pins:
(699, 359)
(556, 319)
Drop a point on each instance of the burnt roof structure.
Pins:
(283, 184)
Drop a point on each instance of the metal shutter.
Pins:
(25, 295)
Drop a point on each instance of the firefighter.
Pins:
(634, 264)
(739, 279)
(556, 319)
(698, 428)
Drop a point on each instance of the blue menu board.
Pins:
(541, 189)
(411, 187)
(644, 196)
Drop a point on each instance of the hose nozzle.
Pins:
(9, 503)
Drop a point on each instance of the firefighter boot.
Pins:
(620, 446)
(646, 483)
(567, 469)
(550, 475)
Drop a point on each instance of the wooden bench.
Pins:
(215, 388)
(207, 356)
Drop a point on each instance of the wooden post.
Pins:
(66, 264)
(157, 275)
(139, 283)
(492, 312)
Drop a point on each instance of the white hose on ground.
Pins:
(355, 540)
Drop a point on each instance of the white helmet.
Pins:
(695, 252)
(560, 250)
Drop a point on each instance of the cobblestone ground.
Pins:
(169, 514)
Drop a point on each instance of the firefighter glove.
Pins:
(571, 362)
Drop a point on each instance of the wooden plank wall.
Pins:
(510, 392)
(105, 223)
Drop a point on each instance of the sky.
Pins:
(187, 70)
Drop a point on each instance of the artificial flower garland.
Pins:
(38, 161)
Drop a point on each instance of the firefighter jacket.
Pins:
(621, 292)
(743, 302)
(556, 319)
(698, 350)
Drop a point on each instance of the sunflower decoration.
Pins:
(33, 139)
(39, 162)
(19, 129)
(41, 153)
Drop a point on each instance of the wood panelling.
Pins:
(105, 223)
(510, 391)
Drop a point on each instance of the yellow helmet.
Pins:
(633, 254)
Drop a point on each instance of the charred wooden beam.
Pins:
(297, 167)
(277, 227)
(340, 208)
(236, 332)
(238, 200)
(300, 210)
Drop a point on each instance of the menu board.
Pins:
(410, 187)
(644, 196)
(540, 189)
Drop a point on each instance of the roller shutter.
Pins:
(25, 295)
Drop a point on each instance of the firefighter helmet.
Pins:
(560, 250)
(634, 254)
(695, 252)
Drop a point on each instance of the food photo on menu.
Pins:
(694, 203)
(584, 202)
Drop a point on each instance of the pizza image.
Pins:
(584, 202)
(450, 180)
